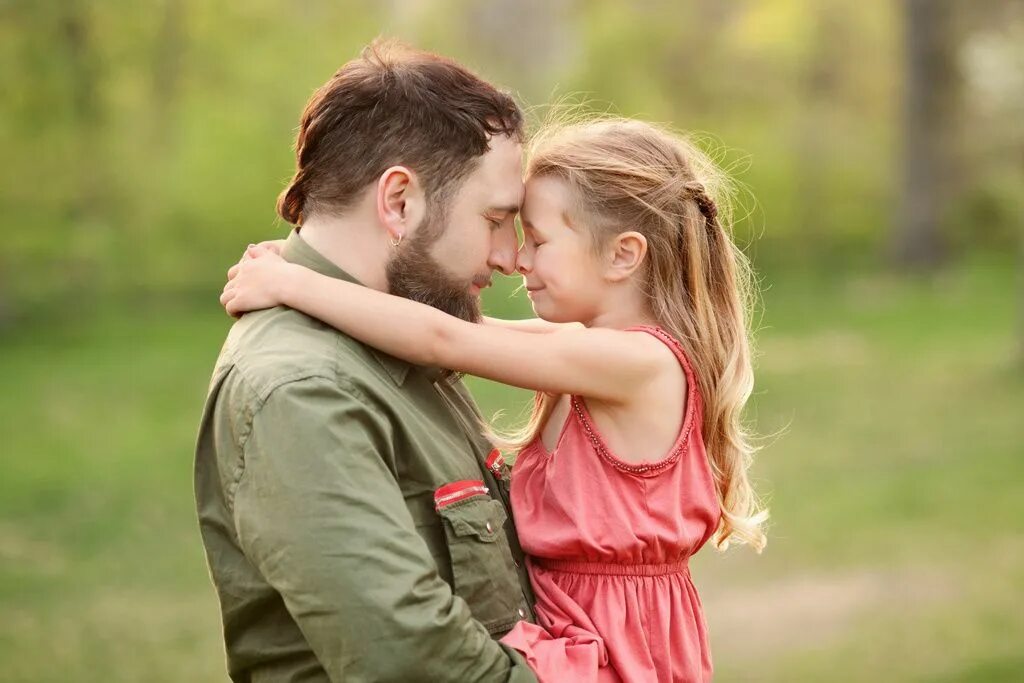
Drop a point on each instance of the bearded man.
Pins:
(337, 487)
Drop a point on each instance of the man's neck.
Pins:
(352, 243)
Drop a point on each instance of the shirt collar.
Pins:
(297, 250)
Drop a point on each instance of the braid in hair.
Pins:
(292, 200)
(708, 207)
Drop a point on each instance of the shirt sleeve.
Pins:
(321, 516)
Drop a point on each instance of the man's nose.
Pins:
(503, 250)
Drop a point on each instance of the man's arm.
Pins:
(322, 517)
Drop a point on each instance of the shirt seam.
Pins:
(260, 401)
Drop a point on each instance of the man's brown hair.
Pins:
(393, 105)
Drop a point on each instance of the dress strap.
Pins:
(668, 340)
(647, 469)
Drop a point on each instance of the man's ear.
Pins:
(626, 254)
(401, 203)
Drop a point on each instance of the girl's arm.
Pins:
(601, 363)
(535, 325)
(527, 325)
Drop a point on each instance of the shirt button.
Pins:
(522, 614)
(490, 529)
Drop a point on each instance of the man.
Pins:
(355, 522)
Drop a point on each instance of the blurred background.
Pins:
(879, 147)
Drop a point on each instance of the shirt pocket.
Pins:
(482, 568)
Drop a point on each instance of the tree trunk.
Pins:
(1020, 301)
(929, 148)
(812, 148)
(166, 76)
(544, 44)
(1020, 281)
(81, 63)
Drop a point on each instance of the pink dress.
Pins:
(608, 544)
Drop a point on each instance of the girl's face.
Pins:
(562, 274)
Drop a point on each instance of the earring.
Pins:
(396, 241)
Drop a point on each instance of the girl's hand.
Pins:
(257, 281)
(274, 246)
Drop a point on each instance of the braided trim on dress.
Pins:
(647, 469)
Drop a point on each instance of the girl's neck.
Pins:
(623, 305)
(621, 319)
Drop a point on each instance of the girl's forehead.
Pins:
(545, 194)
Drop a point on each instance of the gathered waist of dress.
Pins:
(611, 568)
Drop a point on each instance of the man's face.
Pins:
(447, 266)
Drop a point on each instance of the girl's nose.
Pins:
(523, 261)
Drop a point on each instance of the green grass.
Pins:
(896, 487)
(895, 481)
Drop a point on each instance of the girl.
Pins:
(634, 455)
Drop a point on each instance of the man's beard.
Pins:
(413, 273)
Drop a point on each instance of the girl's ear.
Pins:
(626, 253)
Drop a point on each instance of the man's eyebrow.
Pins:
(508, 208)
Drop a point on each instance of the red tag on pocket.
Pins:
(452, 493)
(495, 462)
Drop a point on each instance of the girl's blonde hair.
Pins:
(631, 175)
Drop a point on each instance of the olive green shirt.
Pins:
(316, 470)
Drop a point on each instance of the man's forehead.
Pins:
(500, 194)
(497, 182)
(510, 197)
(492, 195)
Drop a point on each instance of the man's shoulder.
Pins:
(278, 346)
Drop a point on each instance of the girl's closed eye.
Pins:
(531, 237)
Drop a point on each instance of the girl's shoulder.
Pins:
(650, 426)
